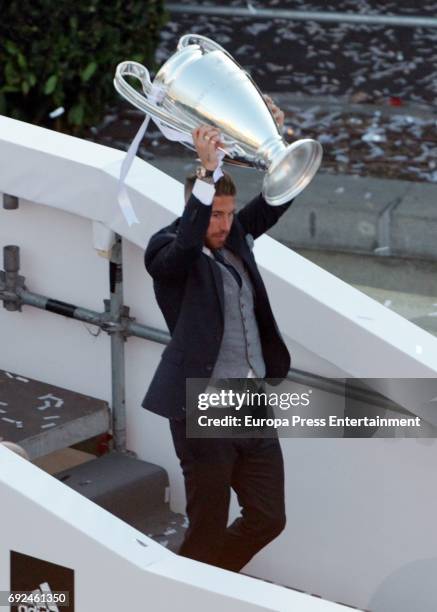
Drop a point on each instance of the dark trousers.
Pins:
(254, 468)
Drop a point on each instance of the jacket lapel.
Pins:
(238, 245)
(217, 277)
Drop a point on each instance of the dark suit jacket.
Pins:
(189, 290)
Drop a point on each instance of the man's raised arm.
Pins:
(170, 254)
(257, 217)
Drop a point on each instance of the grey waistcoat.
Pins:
(240, 349)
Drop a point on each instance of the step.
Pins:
(65, 458)
(166, 528)
(133, 490)
(43, 418)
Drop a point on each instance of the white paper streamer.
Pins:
(218, 172)
(123, 198)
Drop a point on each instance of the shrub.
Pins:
(64, 53)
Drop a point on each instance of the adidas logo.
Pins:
(45, 594)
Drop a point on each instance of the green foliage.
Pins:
(64, 53)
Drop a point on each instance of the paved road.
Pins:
(378, 62)
(367, 93)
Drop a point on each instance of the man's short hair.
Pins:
(225, 186)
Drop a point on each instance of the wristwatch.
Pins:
(205, 175)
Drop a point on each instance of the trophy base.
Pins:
(291, 171)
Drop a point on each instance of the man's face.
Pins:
(222, 215)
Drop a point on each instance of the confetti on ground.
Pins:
(380, 67)
(57, 112)
(44, 406)
(316, 58)
(169, 531)
(21, 379)
(47, 425)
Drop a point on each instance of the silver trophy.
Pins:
(202, 83)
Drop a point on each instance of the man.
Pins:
(213, 299)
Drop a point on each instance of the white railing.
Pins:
(116, 567)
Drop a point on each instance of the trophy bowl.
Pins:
(201, 83)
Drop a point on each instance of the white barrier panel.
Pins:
(112, 566)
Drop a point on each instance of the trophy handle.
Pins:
(137, 70)
(134, 69)
(205, 43)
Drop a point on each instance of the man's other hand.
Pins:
(276, 111)
(206, 140)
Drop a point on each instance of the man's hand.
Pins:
(276, 111)
(206, 139)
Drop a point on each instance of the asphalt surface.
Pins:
(317, 58)
(367, 93)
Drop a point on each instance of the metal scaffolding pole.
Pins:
(13, 292)
(324, 16)
(118, 379)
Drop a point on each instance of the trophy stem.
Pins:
(270, 150)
